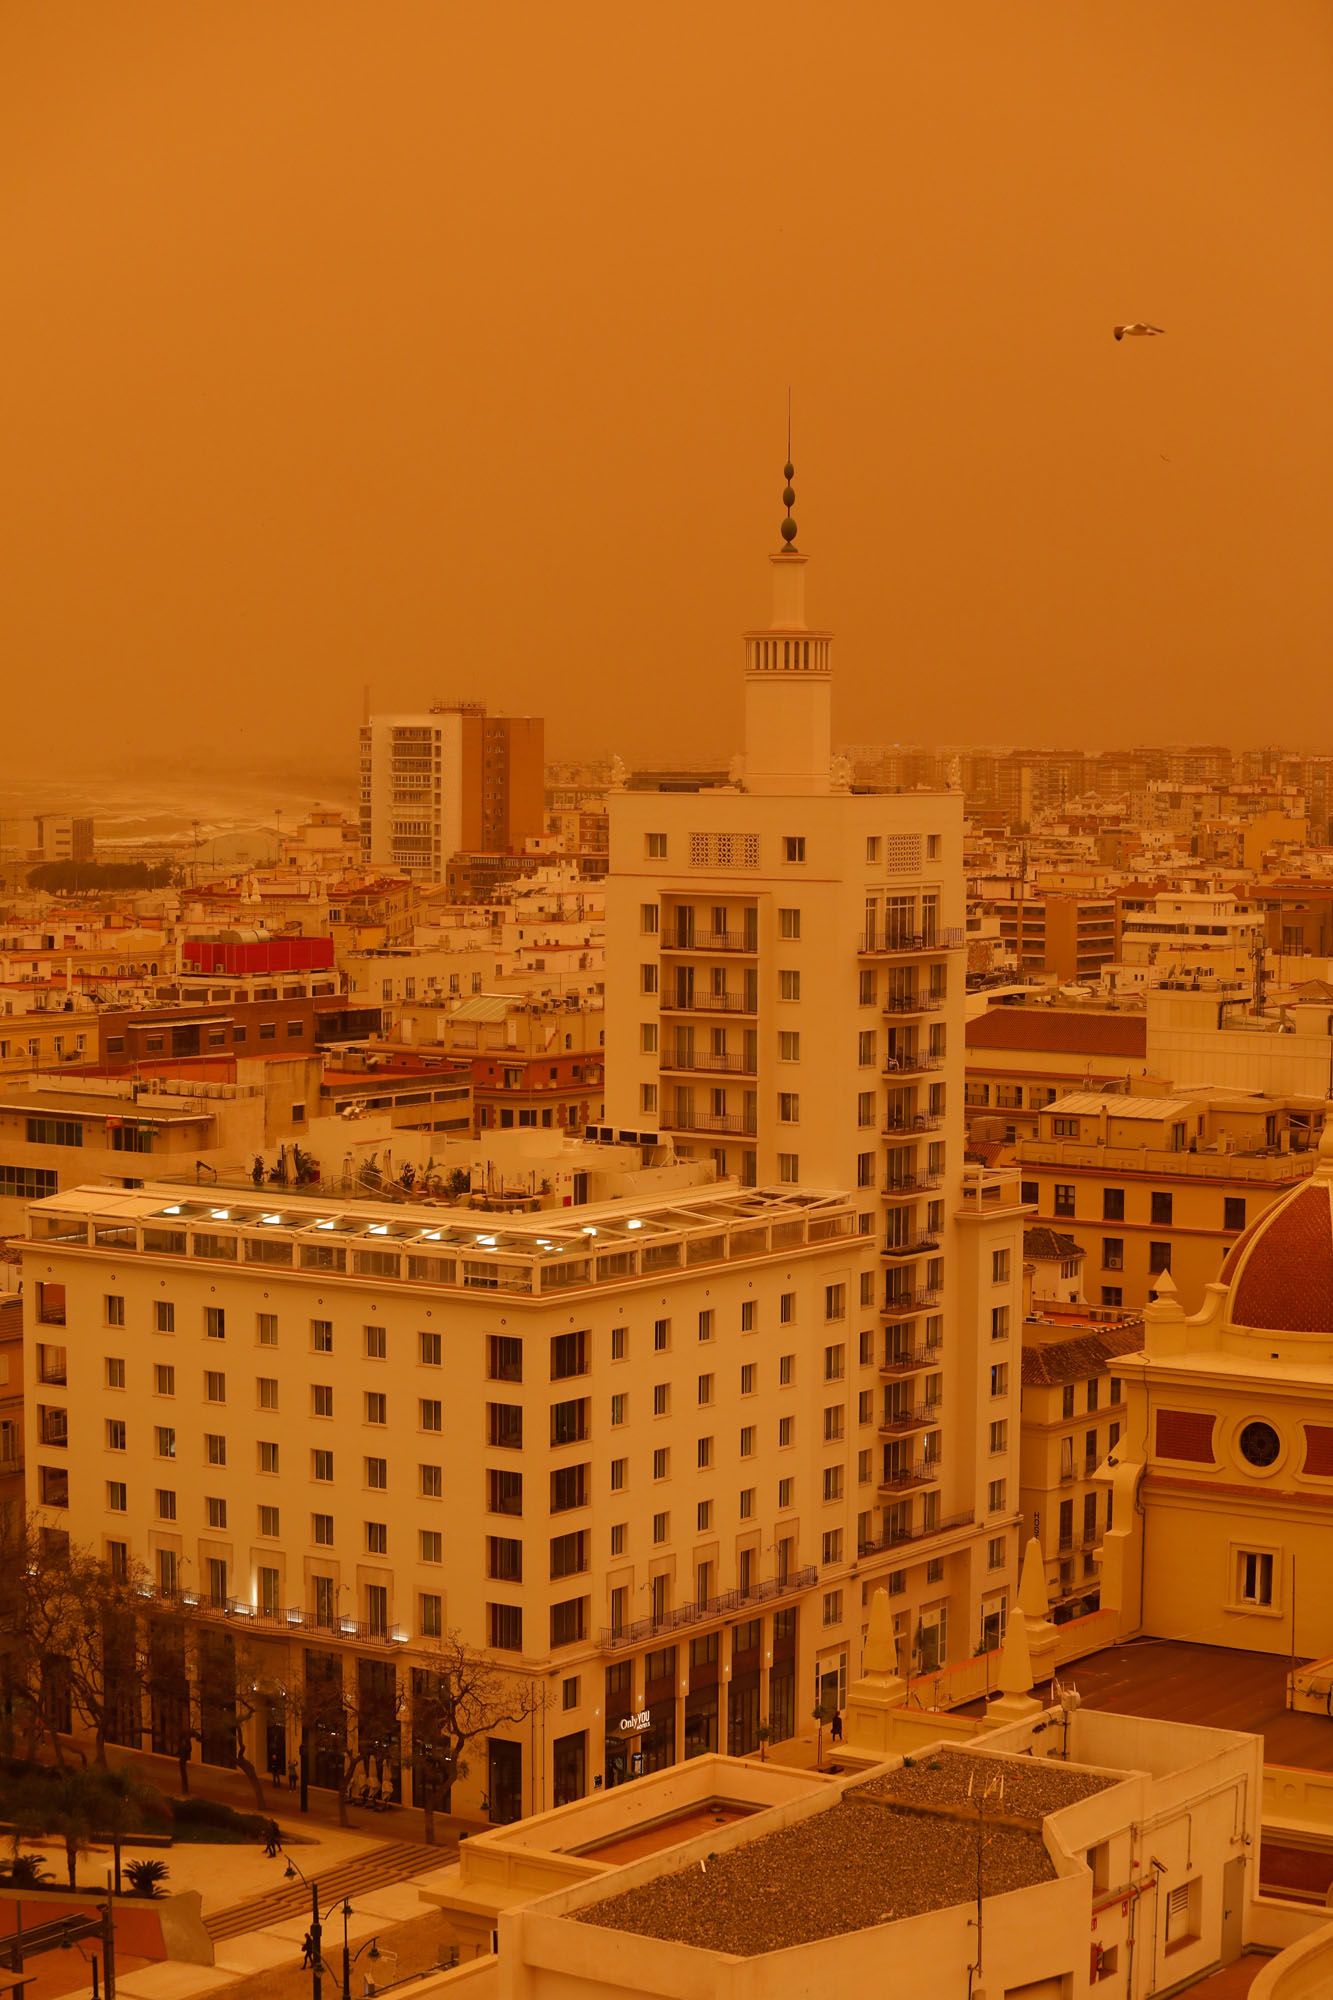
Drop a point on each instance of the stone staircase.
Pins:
(390, 1861)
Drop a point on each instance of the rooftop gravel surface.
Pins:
(901, 1845)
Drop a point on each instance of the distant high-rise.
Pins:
(448, 780)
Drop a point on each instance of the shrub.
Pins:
(26, 1871)
(144, 1876)
(212, 1812)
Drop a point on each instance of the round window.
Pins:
(1260, 1444)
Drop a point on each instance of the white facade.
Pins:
(789, 1001)
(412, 791)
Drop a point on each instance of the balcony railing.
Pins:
(911, 1246)
(903, 1186)
(710, 1064)
(50, 1315)
(894, 943)
(614, 1637)
(899, 1538)
(916, 1419)
(908, 1360)
(904, 1305)
(241, 1611)
(53, 1376)
(709, 1003)
(914, 1003)
(709, 1121)
(708, 942)
(54, 1428)
(908, 1123)
(921, 1472)
(910, 1065)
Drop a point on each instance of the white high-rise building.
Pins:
(789, 1002)
(448, 780)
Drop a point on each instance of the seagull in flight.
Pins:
(1136, 326)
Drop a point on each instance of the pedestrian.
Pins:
(307, 1951)
(836, 1731)
(291, 1776)
(270, 1836)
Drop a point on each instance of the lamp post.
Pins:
(345, 1910)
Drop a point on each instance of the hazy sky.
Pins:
(446, 347)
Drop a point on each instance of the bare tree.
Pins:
(458, 1697)
(68, 1628)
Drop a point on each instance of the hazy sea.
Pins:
(229, 819)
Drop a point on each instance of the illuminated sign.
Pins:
(642, 1720)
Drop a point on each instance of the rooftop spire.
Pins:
(788, 530)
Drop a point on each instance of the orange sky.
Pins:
(446, 347)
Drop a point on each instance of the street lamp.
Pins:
(317, 1967)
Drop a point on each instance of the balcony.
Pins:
(905, 1305)
(706, 943)
(910, 1065)
(904, 1478)
(50, 1315)
(709, 1003)
(240, 1611)
(898, 944)
(735, 1122)
(908, 1360)
(615, 1637)
(910, 1246)
(918, 1419)
(911, 1122)
(906, 1187)
(708, 1064)
(53, 1427)
(898, 1004)
(902, 1538)
(53, 1374)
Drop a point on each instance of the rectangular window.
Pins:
(377, 1473)
(216, 1509)
(114, 1309)
(1233, 1211)
(321, 1336)
(115, 1433)
(430, 1349)
(504, 1358)
(569, 1620)
(662, 1462)
(789, 988)
(1113, 1204)
(706, 1325)
(618, 1343)
(1254, 1578)
(619, 1405)
(747, 1441)
(215, 1386)
(116, 1496)
(215, 1322)
(164, 1316)
(268, 1455)
(999, 1323)
(995, 1496)
(431, 1413)
(215, 1448)
(865, 1109)
(166, 1504)
(789, 1168)
(1064, 1198)
(569, 1488)
(789, 924)
(569, 1355)
(377, 1538)
(789, 1107)
(266, 1391)
(321, 1467)
(704, 1453)
(321, 1399)
(1159, 1258)
(504, 1492)
(999, 1267)
(999, 1435)
(266, 1328)
(655, 846)
(377, 1407)
(1161, 1209)
(748, 1378)
(833, 1482)
(793, 847)
(789, 1045)
(833, 1422)
(999, 1379)
(648, 919)
(164, 1440)
(505, 1627)
(430, 1482)
(619, 1474)
(115, 1373)
(786, 1432)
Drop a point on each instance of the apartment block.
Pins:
(789, 1005)
(450, 780)
(1022, 1058)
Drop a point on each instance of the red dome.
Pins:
(1281, 1269)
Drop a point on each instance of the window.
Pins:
(655, 846)
(619, 1474)
(377, 1473)
(430, 1482)
(789, 988)
(569, 1421)
(704, 1453)
(786, 1370)
(648, 1038)
(431, 1413)
(430, 1615)
(114, 1309)
(1064, 1198)
(1113, 1204)
(1159, 1258)
(662, 1462)
(648, 919)
(995, 1496)
(164, 1316)
(865, 1109)
(835, 1360)
(647, 1098)
(1161, 1209)
(1029, 1193)
(55, 1131)
(1116, 1392)
(266, 1391)
(747, 1441)
(865, 1407)
(618, 1343)
(1113, 1295)
(1113, 1253)
(789, 1168)
(706, 1322)
(164, 1440)
(115, 1373)
(1233, 1211)
(999, 1323)
(995, 1552)
(789, 1045)
(749, 1375)
(832, 1608)
(618, 1538)
(999, 1435)
(647, 979)
(999, 1267)
(377, 1407)
(321, 1336)
(833, 1482)
(618, 1408)
(321, 1399)
(215, 1386)
(430, 1349)
(833, 1422)
(831, 1546)
(321, 1467)
(1254, 1578)
(786, 1487)
(268, 1455)
(377, 1538)
(167, 1570)
(505, 1627)
(748, 1318)
(504, 1358)
(266, 1327)
(1183, 1905)
(215, 1448)
(569, 1355)
(793, 847)
(166, 1503)
(216, 1510)
(569, 1488)
(115, 1433)
(569, 1621)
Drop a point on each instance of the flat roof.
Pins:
(1175, 1680)
(1154, 1110)
(895, 1847)
(127, 1109)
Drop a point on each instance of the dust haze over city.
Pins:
(666, 1001)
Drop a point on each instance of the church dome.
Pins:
(1280, 1270)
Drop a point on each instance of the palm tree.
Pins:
(126, 1804)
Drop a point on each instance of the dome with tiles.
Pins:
(1280, 1270)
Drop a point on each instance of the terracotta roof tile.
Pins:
(1282, 1267)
